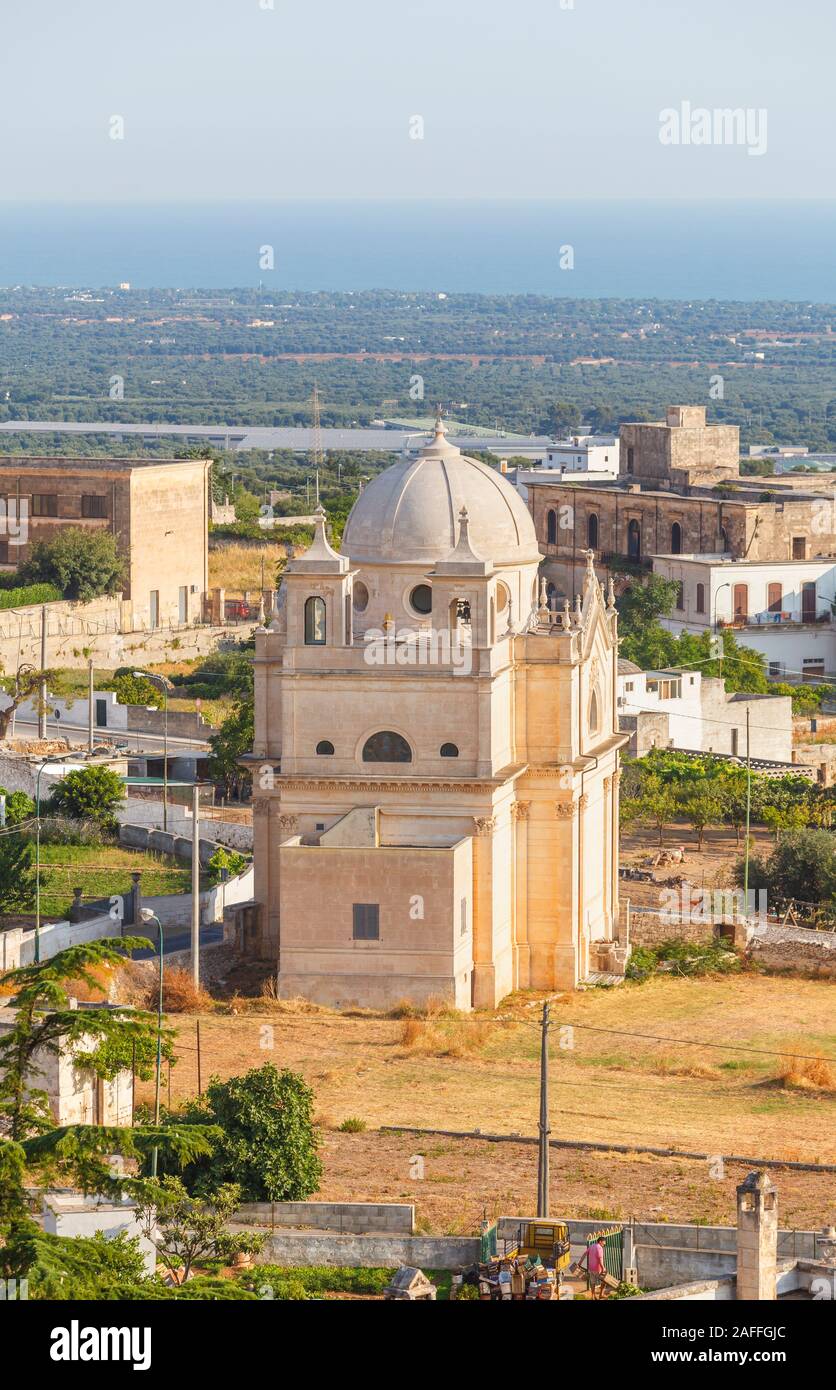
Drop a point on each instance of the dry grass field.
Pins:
(733, 1091)
(238, 567)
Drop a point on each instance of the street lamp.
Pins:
(148, 916)
(158, 680)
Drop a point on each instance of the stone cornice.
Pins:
(397, 784)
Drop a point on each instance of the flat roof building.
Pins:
(157, 511)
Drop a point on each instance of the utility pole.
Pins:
(748, 813)
(543, 1157)
(90, 705)
(196, 885)
(42, 683)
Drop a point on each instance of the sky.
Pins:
(371, 99)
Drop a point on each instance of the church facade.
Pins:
(435, 762)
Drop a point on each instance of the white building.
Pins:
(686, 710)
(584, 453)
(781, 608)
(587, 457)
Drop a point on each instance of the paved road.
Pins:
(137, 742)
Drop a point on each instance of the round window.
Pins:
(421, 598)
(360, 597)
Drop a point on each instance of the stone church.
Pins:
(435, 762)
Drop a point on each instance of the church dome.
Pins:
(409, 514)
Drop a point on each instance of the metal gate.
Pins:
(613, 1249)
(487, 1243)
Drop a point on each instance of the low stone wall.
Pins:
(650, 929)
(104, 630)
(17, 944)
(165, 842)
(140, 810)
(795, 948)
(344, 1218)
(369, 1251)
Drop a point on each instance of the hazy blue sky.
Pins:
(519, 98)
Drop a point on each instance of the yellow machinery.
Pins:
(548, 1240)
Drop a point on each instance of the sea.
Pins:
(685, 250)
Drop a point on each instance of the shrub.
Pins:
(90, 793)
(180, 994)
(269, 1143)
(682, 958)
(19, 807)
(83, 564)
(228, 860)
(23, 596)
(807, 1073)
(62, 830)
(136, 690)
(352, 1125)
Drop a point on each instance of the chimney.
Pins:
(757, 1239)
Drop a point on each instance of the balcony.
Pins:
(783, 619)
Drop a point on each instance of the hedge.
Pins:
(29, 594)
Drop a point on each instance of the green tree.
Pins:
(801, 866)
(17, 874)
(701, 807)
(644, 602)
(228, 862)
(19, 687)
(105, 1041)
(19, 807)
(233, 739)
(136, 690)
(83, 564)
(658, 803)
(268, 1144)
(76, 1267)
(89, 793)
(190, 1230)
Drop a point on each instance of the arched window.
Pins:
(700, 598)
(449, 750)
(592, 531)
(676, 539)
(634, 541)
(325, 749)
(594, 713)
(314, 622)
(680, 596)
(551, 527)
(631, 455)
(387, 747)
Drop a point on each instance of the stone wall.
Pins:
(344, 1218)
(795, 948)
(142, 811)
(369, 1251)
(650, 929)
(104, 630)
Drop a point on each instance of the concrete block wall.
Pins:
(369, 1251)
(354, 1218)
